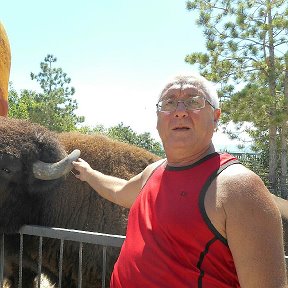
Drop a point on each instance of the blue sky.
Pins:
(118, 53)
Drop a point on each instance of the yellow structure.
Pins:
(5, 64)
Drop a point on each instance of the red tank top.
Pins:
(170, 241)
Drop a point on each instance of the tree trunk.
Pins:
(272, 158)
(272, 90)
(284, 178)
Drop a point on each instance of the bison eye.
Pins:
(6, 170)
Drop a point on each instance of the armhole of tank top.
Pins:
(202, 198)
(152, 172)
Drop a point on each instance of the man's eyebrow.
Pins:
(173, 92)
(191, 94)
(168, 96)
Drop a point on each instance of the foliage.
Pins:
(20, 105)
(51, 79)
(55, 107)
(238, 34)
(246, 44)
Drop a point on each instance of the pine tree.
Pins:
(55, 107)
(246, 44)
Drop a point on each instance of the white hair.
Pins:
(199, 82)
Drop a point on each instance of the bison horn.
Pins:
(50, 171)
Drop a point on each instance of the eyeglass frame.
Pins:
(183, 101)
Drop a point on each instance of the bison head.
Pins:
(31, 163)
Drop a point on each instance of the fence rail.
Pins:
(63, 235)
(74, 235)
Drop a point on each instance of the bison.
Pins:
(30, 196)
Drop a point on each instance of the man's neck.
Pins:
(184, 160)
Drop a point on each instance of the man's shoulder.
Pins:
(239, 183)
(238, 174)
(241, 192)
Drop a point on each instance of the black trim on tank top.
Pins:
(202, 198)
(201, 258)
(173, 168)
(217, 235)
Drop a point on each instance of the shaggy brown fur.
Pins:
(67, 202)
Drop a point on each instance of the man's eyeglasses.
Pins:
(191, 103)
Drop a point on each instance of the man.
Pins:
(5, 62)
(197, 218)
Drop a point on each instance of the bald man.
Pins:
(5, 63)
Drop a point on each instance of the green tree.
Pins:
(20, 105)
(86, 129)
(246, 43)
(55, 107)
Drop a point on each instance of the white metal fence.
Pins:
(81, 237)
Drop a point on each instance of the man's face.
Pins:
(190, 131)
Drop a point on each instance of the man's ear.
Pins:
(217, 114)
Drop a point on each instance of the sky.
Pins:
(118, 53)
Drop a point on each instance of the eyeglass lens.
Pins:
(191, 103)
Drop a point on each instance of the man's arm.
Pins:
(117, 190)
(254, 230)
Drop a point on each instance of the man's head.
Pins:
(196, 81)
(188, 112)
(5, 63)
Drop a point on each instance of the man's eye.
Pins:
(196, 100)
(192, 101)
(168, 102)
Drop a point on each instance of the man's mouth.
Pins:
(181, 128)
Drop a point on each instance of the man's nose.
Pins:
(181, 110)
